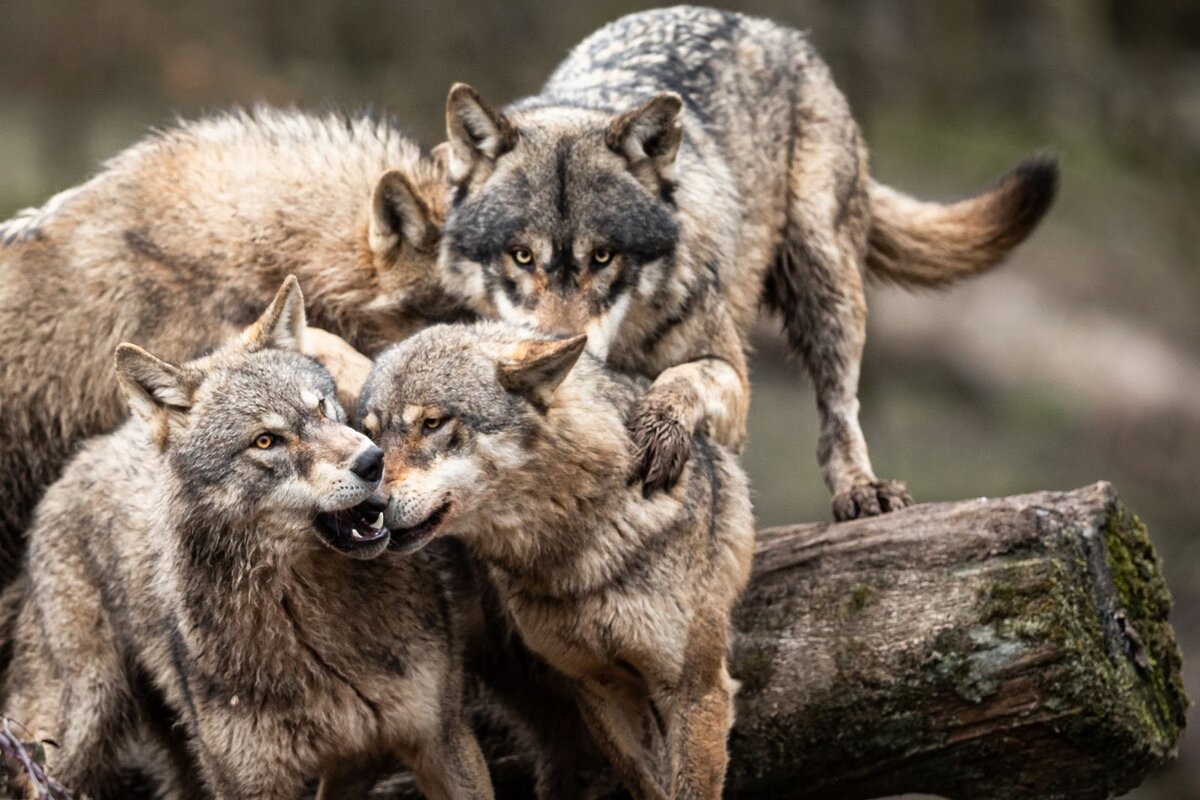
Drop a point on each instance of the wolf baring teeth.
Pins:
(679, 167)
(180, 592)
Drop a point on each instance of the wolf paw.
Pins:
(870, 499)
(663, 444)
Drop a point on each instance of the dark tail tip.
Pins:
(1034, 185)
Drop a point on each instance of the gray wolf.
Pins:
(174, 245)
(681, 166)
(510, 441)
(220, 556)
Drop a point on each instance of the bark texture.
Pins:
(1006, 648)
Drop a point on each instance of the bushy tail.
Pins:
(918, 243)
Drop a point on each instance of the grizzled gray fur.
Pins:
(681, 167)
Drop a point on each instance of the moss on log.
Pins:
(1009, 648)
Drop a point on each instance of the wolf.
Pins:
(517, 445)
(173, 246)
(679, 168)
(222, 556)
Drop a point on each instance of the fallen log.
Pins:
(1007, 648)
(993, 649)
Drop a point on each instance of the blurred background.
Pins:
(1078, 360)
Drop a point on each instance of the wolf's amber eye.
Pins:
(601, 256)
(431, 424)
(263, 441)
(523, 256)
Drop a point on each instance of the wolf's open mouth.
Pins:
(408, 539)
(353, 529)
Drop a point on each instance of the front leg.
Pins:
(698, 722)
(452, 767)
(622, 731)
(707, 393)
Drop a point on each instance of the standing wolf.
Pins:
(680, 166)
(173, 245)
(524, 454)
(207, 558)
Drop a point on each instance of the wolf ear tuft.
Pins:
(475, 130)
(150, 384)
(282, 325)
(535, 368)
(650, 133)
(399, 214)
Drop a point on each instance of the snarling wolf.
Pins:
(210, 564)
(517, 445)
(680, 167)
(174, 246)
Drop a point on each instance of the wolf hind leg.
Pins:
(817, 286)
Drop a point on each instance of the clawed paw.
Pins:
(870, 499)
(663, 445)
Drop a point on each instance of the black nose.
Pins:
(369, 464)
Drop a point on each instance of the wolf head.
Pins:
(404, 221)
(254, 433)
(559, 216)
(458, 410)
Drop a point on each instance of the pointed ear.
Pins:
(151, 385)
(398, 214)
(282, 325)
(536, 368)
(476, 131)
(650, 133)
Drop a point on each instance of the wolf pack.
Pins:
(478, 458)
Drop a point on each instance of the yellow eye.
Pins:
(264, 441)
(523, 256)
(431, 424)
(601, 256)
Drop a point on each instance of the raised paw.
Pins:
(870, 499)
(663, 445)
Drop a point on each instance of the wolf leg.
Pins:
(698, 726)
(708, 394)
(620, 731)
(817, 285)
(452, 768)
